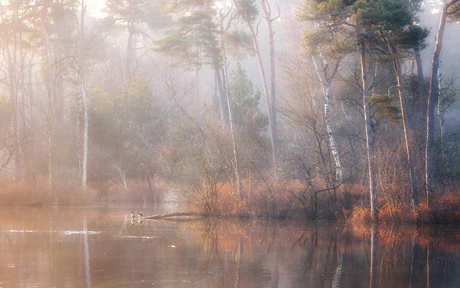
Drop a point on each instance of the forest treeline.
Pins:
(241, 107)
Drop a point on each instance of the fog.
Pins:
(189, 101)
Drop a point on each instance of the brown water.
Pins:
(100, 247)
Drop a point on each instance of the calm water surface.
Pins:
(100, 247)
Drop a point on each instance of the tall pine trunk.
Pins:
(407, 134)
(369, 134)
(272, 107)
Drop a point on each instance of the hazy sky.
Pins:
(95, 6)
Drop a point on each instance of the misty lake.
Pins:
(101, 247)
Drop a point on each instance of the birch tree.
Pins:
(328, 48)
(343, 15)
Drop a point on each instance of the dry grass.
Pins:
(285, 200)
(65, 193)
(36, 193)
(445, 209)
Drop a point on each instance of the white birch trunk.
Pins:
(327, 95)
(86, 249)
(374, 265)
(338, 273)
(338, 166)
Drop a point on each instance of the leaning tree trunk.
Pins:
(407, 136)
(369, 134)
(272, 107)
(271, 110)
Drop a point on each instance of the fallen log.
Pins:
(176, 215)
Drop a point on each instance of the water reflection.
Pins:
(102, 247)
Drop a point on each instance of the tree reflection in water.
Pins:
(97, 247)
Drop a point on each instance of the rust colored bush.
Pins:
(445, 209)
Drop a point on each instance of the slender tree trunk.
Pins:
(338, 165)
(414, 263)
(373, 283)
(86, 253)
(50, 75)
(232, 128)
(14, 98)
(431, 271)
(32, 116)
(327, 95)
(421, 79)
(222, 99)
(369, 134)
(83, 93)
(268, 98)
(429, 164)
(13, 88)
(197, 83)
(442, 124)
(130, 45)
(407, 135)
(85, 138)
(272, 107)
(129, 52)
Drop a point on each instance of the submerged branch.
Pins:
(175, 214)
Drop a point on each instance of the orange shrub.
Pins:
(445, 209)
(361, 215)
